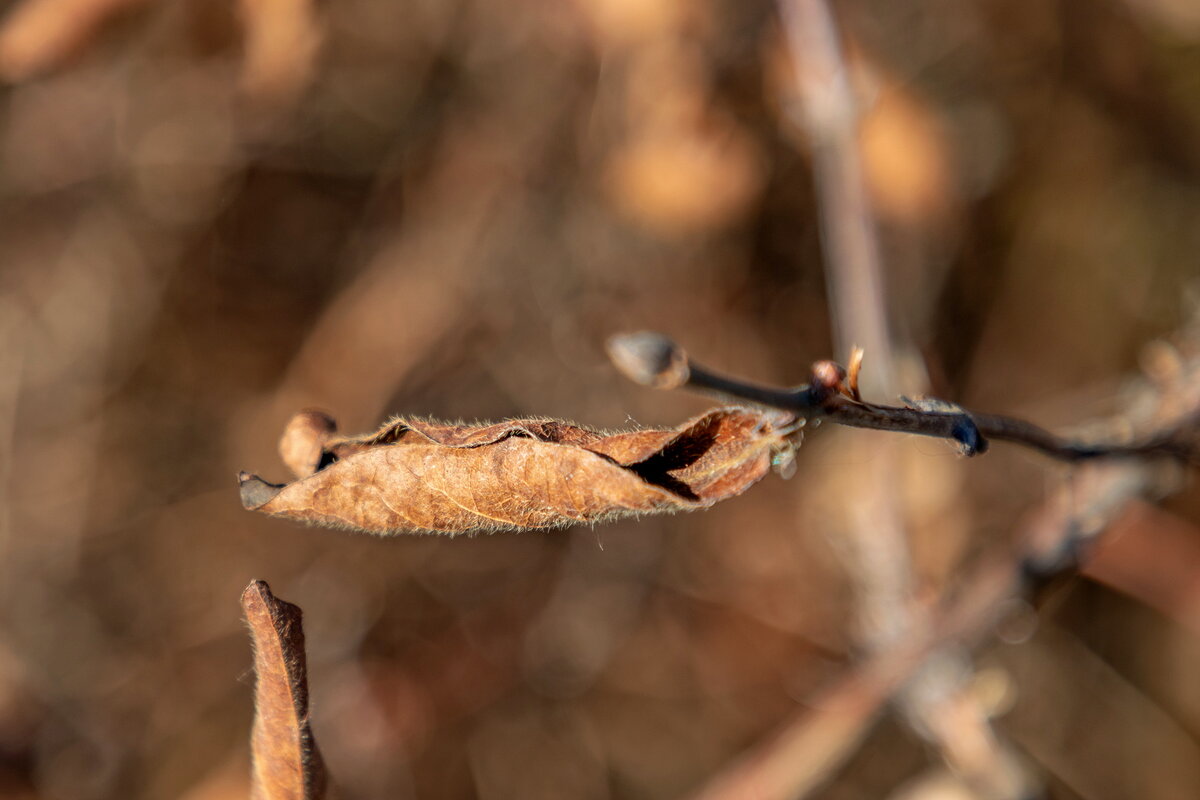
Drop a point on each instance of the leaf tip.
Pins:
(256, 599)
(255, 491)
(255, 589)
(649, 358)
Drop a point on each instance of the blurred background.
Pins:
(214, 213)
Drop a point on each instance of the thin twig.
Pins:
(654, 360)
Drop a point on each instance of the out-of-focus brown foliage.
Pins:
(287, 763)
(41, 34)
(419, 475)
(1154, 556)
(214, 212)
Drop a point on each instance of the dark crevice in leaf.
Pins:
(682, 452)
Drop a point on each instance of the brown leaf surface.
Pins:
(413, 475)
(287, 764)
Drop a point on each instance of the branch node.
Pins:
(827, 379)
(965, 431)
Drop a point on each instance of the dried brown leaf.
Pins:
(414, 475)
(287, 764)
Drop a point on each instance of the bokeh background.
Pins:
(216, 212)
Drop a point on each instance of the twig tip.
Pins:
(650, 359)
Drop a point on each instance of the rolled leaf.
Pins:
(287, 764)
(420, 475)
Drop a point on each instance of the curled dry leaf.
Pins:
(419, 475)
(287, 764)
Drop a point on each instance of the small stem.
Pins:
(961, 427)
(701, 379)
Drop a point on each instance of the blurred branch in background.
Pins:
(40, 35)
(828, 111)
(1059, 538)
(1153, 556)
(935, 699)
